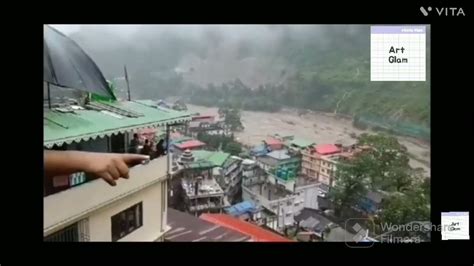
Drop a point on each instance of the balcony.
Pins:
(76, 232)
(68, 206)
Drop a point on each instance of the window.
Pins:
(77, 232)
(127, 221)
(68, 234)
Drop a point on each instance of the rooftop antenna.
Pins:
(128, 84)
(49, 95)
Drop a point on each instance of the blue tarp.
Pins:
(241, 208)
(259, 150)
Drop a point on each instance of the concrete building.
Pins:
(83, 208)
(274, 199)
(279, 199)
(229, 177)
(194, 188)
(277, 159)
(319, 162)
(273, 143)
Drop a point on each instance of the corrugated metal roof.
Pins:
(217, 158)
(256, 232)
(325, 149)
(82, 125)
(187, 228)
(300, 142)
(279, 154)
(189, 144)
(273, 141)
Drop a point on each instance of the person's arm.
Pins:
(108, 166)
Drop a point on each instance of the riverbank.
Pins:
(318, 126)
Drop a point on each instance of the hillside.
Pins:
(323, 68)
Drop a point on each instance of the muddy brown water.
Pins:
(317, 126)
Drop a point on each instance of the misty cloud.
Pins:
(203, 54)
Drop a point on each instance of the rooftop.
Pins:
(188, 228)
(301, 143)
(326, 149)
(66, 125)
(207, 187)
(279, 154)
(189, 144)
(256, 232)
(312, 220)
(241, 208)
(231, 160)
(317, 221)
(268, 191)
(304, 181)
(273, 141)
(217, 158)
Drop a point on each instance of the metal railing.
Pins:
(77, 232)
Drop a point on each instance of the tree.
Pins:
(402, 208)
(232, 118)
(234, 148)
(384, 166)
(386, 161)
(351, 185)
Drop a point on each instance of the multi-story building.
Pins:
(278, 205)
(229, 177)
(277, 199)
(279, 159)
(310, 163)
(210, 128)
(82, 208)
(195, 190)
(320, 162)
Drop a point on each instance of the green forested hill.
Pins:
(324, 68)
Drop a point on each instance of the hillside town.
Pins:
(276, 191)
(204, 184)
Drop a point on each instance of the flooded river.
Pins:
(320, 127)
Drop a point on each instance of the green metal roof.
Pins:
(301, 142)
(82, 125)
(155, 105)
(229, 162)
(217, 158)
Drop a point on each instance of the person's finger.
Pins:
(113, 171)
(134, 159)
(108, 178)
(123, 168)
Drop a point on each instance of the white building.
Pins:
(134, 210)
(82, 208)
(282, 198)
